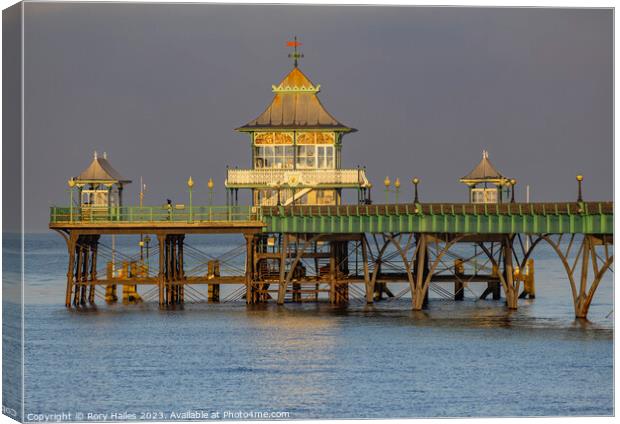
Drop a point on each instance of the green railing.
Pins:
(147, 214)
(581, 217)
(454, 218)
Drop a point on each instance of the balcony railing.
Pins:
(296, 178)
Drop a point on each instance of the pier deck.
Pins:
(297, 253)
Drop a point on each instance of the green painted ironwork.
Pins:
(456, 218)
(154, 214)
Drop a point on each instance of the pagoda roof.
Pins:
(100, 170)
(484, 172)
(295, 106)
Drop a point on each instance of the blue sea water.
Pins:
(455, 359)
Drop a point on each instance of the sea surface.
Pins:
(302, 361)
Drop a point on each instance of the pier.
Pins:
(418, 237)
(301, 243)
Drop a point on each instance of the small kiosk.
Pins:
(486, 183)
(100, 189)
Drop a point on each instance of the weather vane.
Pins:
(295, 55)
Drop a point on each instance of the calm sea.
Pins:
(456, 359)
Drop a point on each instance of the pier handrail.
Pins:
(542, 208)
(161, 214)
(180, 213)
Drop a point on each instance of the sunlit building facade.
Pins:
(296, 150)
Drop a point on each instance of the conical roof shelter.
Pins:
(485, 172)
(101, 172)
(295, 106)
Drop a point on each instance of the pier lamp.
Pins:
(396, 188)
(210, 186)
(369, 193)
(387, 183)
(579, 180)
(190, 185)
(513, 183)
(415, 182)
(147, 240)
(71, 184)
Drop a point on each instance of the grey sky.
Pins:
(161, 87)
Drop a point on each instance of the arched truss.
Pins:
(579, 261)
(419, 269)
(426, 267)
(506, 255)
(393, 239)
(579, 254)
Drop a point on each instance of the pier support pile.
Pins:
(82, 270)
(171, 273)
(302, 267)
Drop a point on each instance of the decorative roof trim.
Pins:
(473, 181)
(295, 89)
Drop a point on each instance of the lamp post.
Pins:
(146, 241)
(369, 193)
(210, 186)
(359, 191)
(415, 182)
(387, 183)
(71, 183)
(190, 185)
(513, 183)
(142, 190)
(396, 188)
(579, 180)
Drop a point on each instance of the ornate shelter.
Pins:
(296, 146)
(485, 182)
(100, 187)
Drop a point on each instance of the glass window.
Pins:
(484, 195)
(330, 160)
(491, 196)
(273, 157)
(315, 157)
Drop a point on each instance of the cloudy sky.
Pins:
(161, 87)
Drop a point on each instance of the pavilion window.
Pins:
(315, 157)
(274, 157)
(484, 195)
(97, 197)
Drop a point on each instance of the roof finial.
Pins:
(95, 155)
(295, 55)
(105, 155)
(485, 154)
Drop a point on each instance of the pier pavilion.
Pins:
(100, 188)
(308, 246)
(296, 149)
(486, 184)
